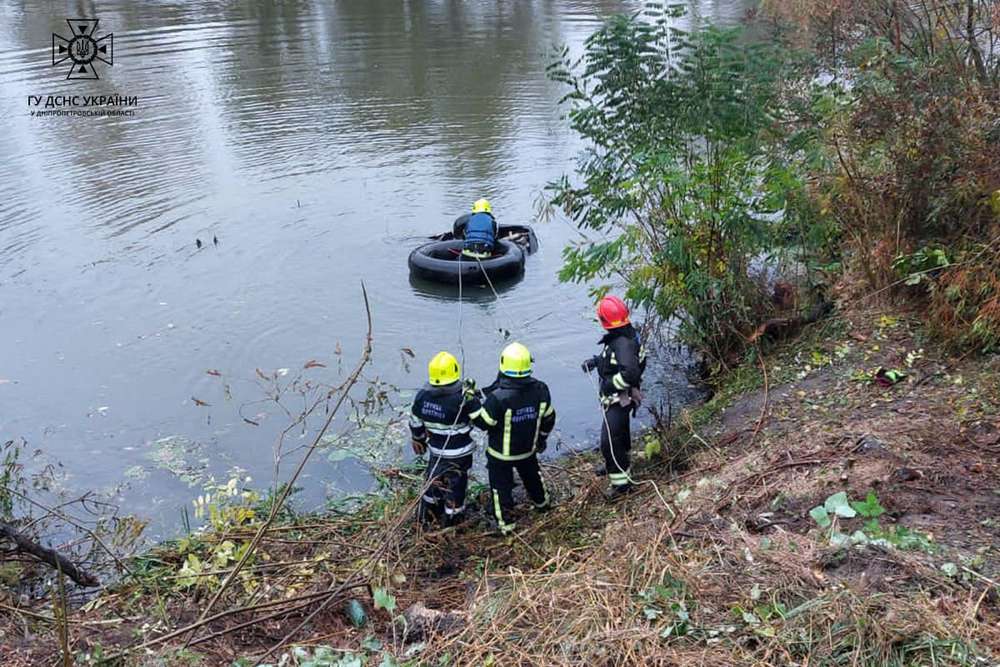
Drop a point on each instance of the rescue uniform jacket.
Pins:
(440, 418)
(517, 416)
(620, 364)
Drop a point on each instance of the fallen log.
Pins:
(51, 557)
(783, 325)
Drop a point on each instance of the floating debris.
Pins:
(181, 457)
(136, 472)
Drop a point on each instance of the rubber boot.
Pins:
(615, 492)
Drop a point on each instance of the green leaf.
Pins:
(324, 655)
(653, 448)
(820, 516)
(839, 505)
(870, 507)
(388, 660)
(356, 613)
(373, 644)
(838, 539)
(383, 600)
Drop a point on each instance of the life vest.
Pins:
(480, 230)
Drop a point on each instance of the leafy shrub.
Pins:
(683, 181)
(965, 300)
(838, 507)
(911, 164)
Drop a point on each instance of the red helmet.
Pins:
(612, 312)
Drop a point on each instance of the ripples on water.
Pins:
(316, 141)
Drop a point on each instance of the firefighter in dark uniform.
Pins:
(440, 426)
(619, 366)
(518, 416)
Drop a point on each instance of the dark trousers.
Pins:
(616, 442)
(502, 487)
(444, 498)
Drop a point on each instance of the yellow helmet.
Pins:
(515, 361)
(481, 206)
(443, 369)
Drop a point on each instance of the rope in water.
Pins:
(461, 346)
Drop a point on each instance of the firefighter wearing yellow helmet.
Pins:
(478, 229)
(518, 417)
(440, 427)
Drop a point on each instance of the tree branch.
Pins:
(49, 556)
(290, 484)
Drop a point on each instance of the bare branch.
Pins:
(289, 485)
(49, 556)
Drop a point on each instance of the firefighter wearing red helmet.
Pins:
(620, 366)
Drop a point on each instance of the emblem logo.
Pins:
(83, 49)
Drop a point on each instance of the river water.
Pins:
(316, 141)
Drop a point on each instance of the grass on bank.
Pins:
(719, 558)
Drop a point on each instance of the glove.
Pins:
(636, 396)
(543, 443)
(419, 448)
(588, 365)
(469, 391)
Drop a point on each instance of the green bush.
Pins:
(684, 190)
(911, 146)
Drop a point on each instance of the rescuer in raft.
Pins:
(518, 416)
(478, 229)
(619, 366)
(440, 426)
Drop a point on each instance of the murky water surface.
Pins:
(315, 141)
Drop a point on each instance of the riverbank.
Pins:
(807, 514)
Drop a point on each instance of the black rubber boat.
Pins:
(443, 262)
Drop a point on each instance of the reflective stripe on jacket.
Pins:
(516, 414)
(440, 417)
(621, 363)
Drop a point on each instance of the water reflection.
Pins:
(310, 138)
(472, 294)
